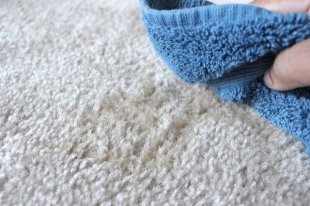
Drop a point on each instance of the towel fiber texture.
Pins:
(230, 47)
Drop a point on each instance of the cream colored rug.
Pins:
(89, 115)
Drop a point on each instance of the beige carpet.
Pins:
(89, 115)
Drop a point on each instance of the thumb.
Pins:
(291, 68)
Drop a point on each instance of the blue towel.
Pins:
(230, 47)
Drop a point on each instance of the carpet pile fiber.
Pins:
(89, 115)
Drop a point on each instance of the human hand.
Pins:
(291, 68)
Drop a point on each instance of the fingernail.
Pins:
(267, 79)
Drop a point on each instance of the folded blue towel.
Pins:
(230, 47)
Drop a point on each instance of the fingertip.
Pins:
(268, 80)
(273, 83)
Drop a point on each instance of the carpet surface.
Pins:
(89, 115)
